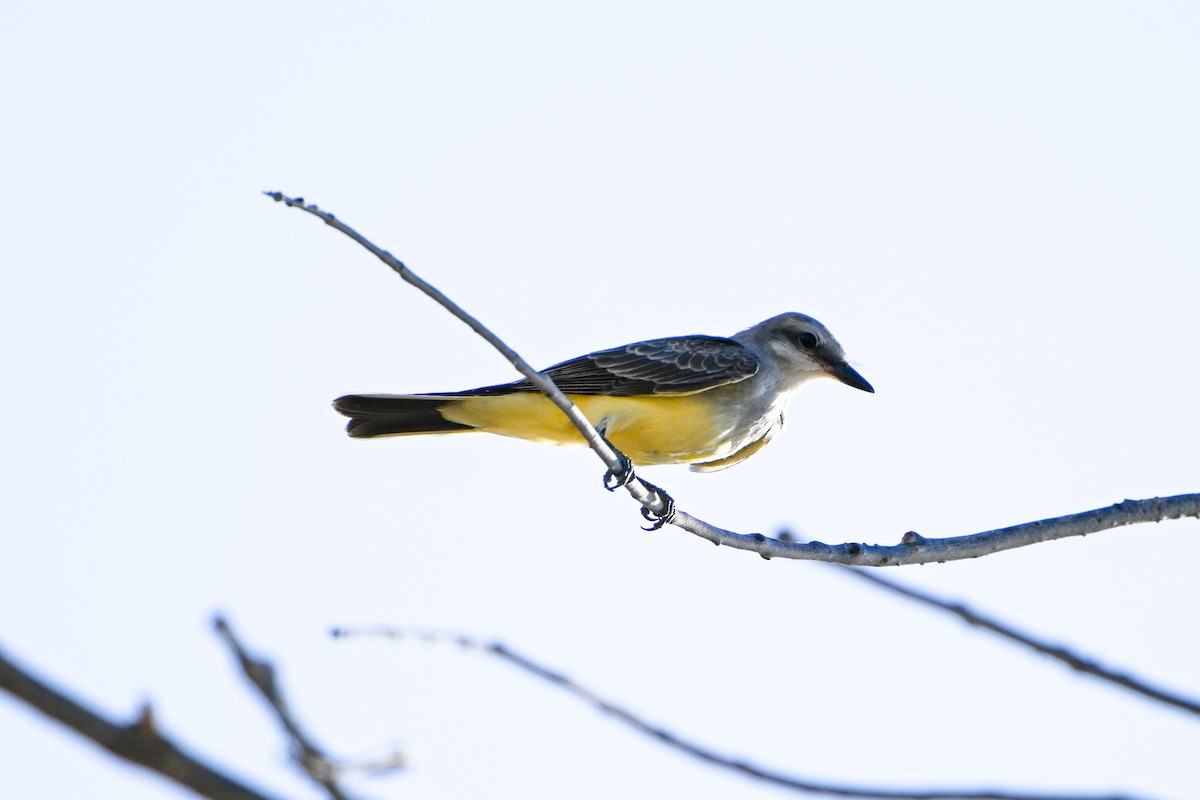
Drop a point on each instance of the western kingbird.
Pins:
(705, 401)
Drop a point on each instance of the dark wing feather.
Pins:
(679, 365)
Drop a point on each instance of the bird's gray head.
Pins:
(803, 348)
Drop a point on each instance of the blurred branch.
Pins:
(913, 548)
(1073, 660)
(664, 736)
(139, 742)
(311, 758)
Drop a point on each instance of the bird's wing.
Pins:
(680, 365)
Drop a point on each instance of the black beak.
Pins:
(849, 376)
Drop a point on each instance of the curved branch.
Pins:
(913, 548)
(1073, 660)
(139, 742)
(641, 725)
(916, 549)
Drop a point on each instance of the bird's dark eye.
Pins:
(807, 340)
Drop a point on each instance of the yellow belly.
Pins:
(680, 429)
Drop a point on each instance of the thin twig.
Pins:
(913, 548)
(139, 742)
(641, 725)
(1088, 666)
(261, 674)
(611, 457)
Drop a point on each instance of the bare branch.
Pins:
(644, 493)
(1075, 661)
(139, 742)
(913, 548)
(916, 549)
(261, 674)
(641, 725)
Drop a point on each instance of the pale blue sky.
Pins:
(993, 206)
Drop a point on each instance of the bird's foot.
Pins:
(668, 503)
(621, 476)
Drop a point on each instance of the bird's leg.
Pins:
(658, 520)
(621, 476)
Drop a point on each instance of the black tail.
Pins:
(395, 415)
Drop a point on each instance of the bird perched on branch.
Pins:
(706, 401)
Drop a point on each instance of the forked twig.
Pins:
(261, 674)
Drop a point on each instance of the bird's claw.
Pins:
(658, 520)
(621, 476)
